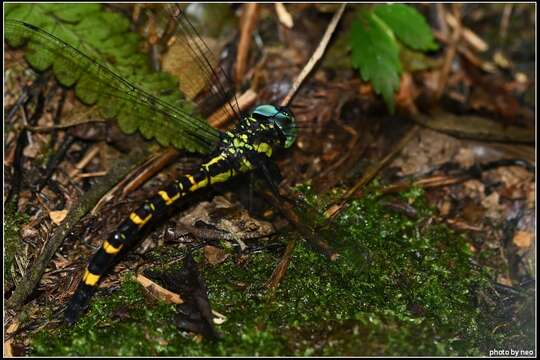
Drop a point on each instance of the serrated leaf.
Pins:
(18, 11)
(39, 58)
(110, 108)
(408, 25)
(80, 54)
(375, 53)
(87, 89)
(75, 13)
(93, 29)
(65, 72)
(127, 123)
(117, 23)
(121, 44)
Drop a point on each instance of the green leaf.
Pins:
(75, 13)
(408, 25)
(95, 52)
(375, 53)
(39, 58)
(87, 90)
(117, 23)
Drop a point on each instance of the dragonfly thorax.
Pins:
(266, 129)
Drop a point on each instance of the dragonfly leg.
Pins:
(272, 175)
(250, 199)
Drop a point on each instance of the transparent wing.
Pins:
(133, 107)
(219, 82)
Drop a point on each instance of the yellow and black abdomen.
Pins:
(218, 169)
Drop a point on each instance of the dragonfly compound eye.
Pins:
(282, 118)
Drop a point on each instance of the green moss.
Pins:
(400, 287)
(119, 325)
(13, 222)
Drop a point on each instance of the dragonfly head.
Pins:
(282, 118)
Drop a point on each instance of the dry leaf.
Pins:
(473, 188)
(445, 207)
(8, 348)
(8, 352)
(58, 216)
(465, 157)
(12, 327)
(522, 239)
(218, 318)
(31, 151)
(491, 202)
(181, 64)
(501, 279)
(159, 291)
(214, 255)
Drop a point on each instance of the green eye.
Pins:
(286, 123)
(282, 118)
(266, 111)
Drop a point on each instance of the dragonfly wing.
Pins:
(219, 82)
(96, 83)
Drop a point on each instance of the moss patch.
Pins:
(13, 221)
(400, 287)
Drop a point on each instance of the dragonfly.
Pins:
(249, 147)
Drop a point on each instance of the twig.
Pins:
(454, 177)
(468, 35)
(54, 161)
(91, 174)
(317, 55)
(468, 54)
(149, 171)
(248, 24)
(283, 15)
(431, 182)
(57, 116)
(219, 118)
(307, 232)
(24, 139)
(371, 172)
(460, 225)
(441, 22)
(84, 161)
(50, 128)
(281, 269)
(450, 54)
(505, 20)
(484, 129)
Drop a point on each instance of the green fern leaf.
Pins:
(81, 43)
(375, 53)
(408, 25)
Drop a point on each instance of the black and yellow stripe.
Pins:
(236, 155)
